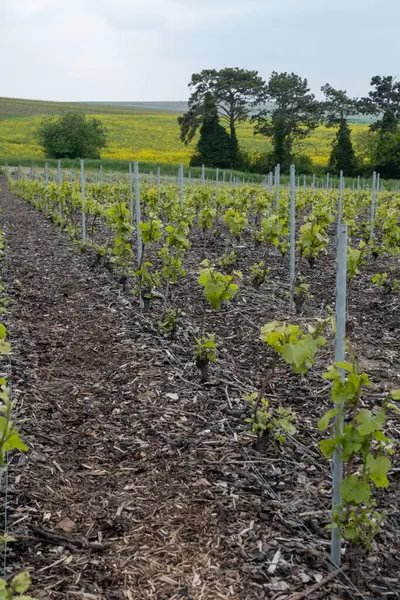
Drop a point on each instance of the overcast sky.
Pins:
(141, 50)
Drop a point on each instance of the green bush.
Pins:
(72, 135)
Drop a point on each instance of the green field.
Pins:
(147, 132)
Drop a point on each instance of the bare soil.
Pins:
(143, 483)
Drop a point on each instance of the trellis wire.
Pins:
(337, 462)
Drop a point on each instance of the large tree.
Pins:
(293, 114)
(337, 108)
(387, 161)
(235, 92)
(384, 102)
(214, 146)
(72, 135)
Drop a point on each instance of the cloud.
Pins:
(173, 15)
(147, 50)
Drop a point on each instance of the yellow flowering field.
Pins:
(151, 137)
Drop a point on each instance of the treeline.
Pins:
(285, 111)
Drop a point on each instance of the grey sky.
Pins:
(147, 49)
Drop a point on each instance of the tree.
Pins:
(235, 92)
(72, 135)
(294, 114)
(337, 108)
(342, 156)
(383, 101)
(366, 144)
(214, 145)
(388, 154)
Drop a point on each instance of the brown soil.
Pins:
(140, 482)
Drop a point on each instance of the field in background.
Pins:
(147, 132)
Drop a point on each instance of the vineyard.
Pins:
(178, 386)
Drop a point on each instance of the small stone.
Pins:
(66, 525)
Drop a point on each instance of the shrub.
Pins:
(72, 135)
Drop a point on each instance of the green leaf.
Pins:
(354, 490)
(21, 582)
(395, 394)
(332, 373)
(328, 447)
(323, 423)
(213, 292)
(378, 469)
(5, 347)
(347, 366)
(352, 442)
(14, 442)
(368, 422)
(350, 533)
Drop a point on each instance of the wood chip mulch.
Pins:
(140, 482)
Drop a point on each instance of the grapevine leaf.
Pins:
(323, 423)
(378, 469)
(21, 582)
(5, 347)
(354, 490)
(350, 533)
(368, 422)
(344, 365)
(332, 373)
(14, 442)
(328, 447)
(352, 442)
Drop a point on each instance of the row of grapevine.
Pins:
(146, 245)
(10, 441)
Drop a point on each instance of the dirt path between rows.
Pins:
(135, 485)
(106, 450)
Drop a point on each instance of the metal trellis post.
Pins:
(337, 462)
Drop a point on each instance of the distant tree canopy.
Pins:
(383, 102)
(234, 91)
(337, 108)
(285, 111)
(214, 146)
(295, 113)
(72, 135)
